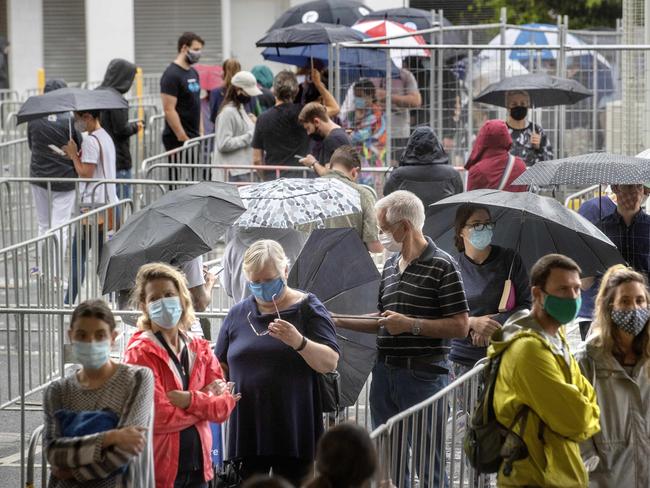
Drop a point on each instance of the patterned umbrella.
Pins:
(296, 203)
(383, 28)
(588, 169)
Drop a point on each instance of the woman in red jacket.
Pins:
(189, 388)
(490, 164)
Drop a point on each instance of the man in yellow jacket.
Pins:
(538, 371)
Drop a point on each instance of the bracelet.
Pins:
(302, 345)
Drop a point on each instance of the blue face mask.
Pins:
(359, 103)
(265, 291)
(166, 312)
(92, 355)
(480, 239)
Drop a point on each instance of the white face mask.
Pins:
(388, 241)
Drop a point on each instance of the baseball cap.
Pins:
(247, 82)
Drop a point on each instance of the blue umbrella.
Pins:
(355, 62)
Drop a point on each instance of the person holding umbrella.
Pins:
(529, 141)
(484, 268)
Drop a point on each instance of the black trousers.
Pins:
(294, 470)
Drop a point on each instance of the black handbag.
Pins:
(328, 385)
(228, 475)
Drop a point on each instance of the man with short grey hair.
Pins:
(422, 305)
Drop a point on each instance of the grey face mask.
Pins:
(193, 57)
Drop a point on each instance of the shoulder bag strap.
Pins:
(507, 172)
(182, 366)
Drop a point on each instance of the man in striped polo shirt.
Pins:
(421, 306)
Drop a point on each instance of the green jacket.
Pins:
(536, 373)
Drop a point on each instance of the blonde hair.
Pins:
(262, 253)
(230, 68)
(603, 327)
(162, 271)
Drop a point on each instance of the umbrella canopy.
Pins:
(179, 226)
(296, 203)
(355, 62)
(418, 19)
(349, 289)
(344, 12)
(210, 76)
(382, 28)
(307, 34)
(69, 100)
(534, 224)
(588, 169)
(544, 90)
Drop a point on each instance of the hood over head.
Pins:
(492, 140)
(423, 148)
(55, 84)
(119, 75)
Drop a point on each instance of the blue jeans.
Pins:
(80, 261)
(394, 390)
(123, 190)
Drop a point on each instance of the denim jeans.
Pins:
(76, 261)
(394, 390)
(123, 190)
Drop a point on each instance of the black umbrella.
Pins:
(534, 224)
(588, 169)
(418, 19)
(544, 90)
(308, 34)
(179, 226)
(335, 266)
(344, 12)
(69, 100)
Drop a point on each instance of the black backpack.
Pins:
(488, 444)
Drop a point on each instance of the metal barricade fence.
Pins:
(6, 94)
(425, 442)
(15, 157)
(7, 107)
(152, 138)
(11, 129)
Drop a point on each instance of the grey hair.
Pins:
(262, 253)
(285, 86)
(402, 205)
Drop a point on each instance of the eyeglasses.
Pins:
(482, 225)
(266, 331)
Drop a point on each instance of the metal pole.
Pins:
(503, 20)
(594, 98)
(469, 79)
(441, 67)
(337, 94)
(389, 115)
(565, 26)
(431, 78)
(21, 386)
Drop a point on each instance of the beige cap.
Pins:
(247, 82)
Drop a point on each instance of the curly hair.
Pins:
(603, 326)
(161, 271)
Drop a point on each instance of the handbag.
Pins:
(228, 475)
(508, 296)
(328, 385)
(87, 208)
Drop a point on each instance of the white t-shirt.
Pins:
(105, 167)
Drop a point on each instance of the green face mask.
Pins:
(564, 310)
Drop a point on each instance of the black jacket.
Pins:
(53, 129)
(425, 170)
(119, 77)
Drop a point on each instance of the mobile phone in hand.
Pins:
(56, 150)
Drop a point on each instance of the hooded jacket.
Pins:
(535, 373)
(489, 158)
(119, 77)
(52, 129)
(144, 349)
(424, 169)
(623, 444)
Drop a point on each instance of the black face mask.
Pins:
(315, 136)
(243, 98)
(519, 113)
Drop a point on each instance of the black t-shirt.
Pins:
(279, 134)
(184, 85)
(335, 139)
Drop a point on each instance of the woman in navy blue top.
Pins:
(272, 345)
(484, 268)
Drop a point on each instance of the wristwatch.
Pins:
(416, 328)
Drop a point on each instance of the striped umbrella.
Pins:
(382, 28)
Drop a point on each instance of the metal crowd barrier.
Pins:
(15, 157)
(406, 453)
(152, 139)
(11, 130)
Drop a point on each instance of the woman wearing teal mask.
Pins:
(98, 420)
(189, 388)
(485, 269)
(615, 360)
(272, 344)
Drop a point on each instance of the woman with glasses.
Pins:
(189, 388)
(272, 345)
(615, 359)
(485, 269)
